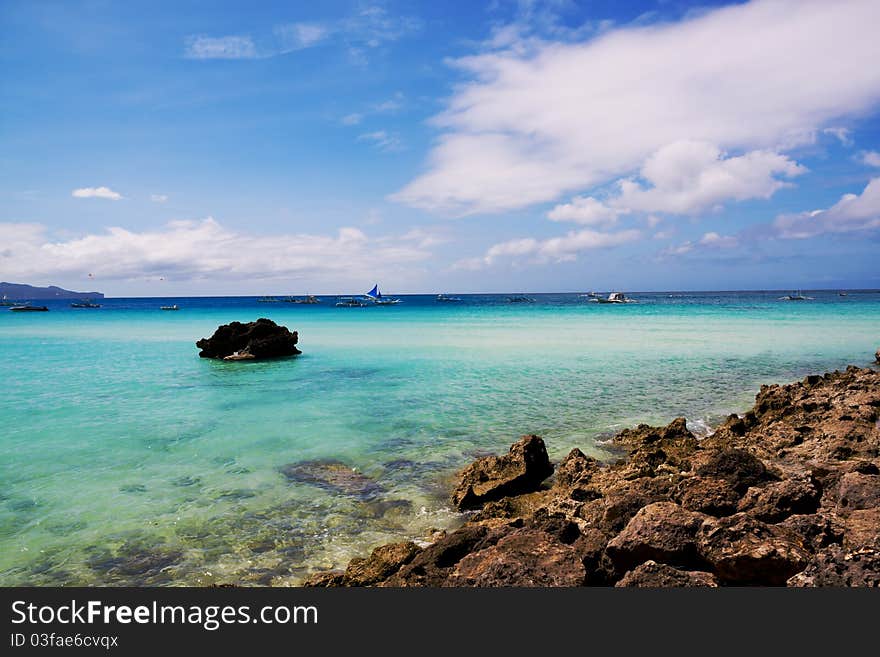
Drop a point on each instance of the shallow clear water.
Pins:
(129, 460)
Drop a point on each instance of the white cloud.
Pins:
(852, 213)
(158, 198)
(717, 241)
(383, 140)
(870, 158)
(226, 47)
(687, 177)
(96, 192)
(843, 135)
(391, 105)
(352, 119)
(535, 123)
(557, 249)
(425, 238)
(198, 250)
(584, 210)
(708, 241)
(299, 36)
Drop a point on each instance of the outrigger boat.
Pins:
(309, 299)
(350, 302)
(443, 298)
(797, 296)
(375, 296)
(27, 308)
(85, 303)
(174, 307)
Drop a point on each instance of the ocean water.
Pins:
(129, 460)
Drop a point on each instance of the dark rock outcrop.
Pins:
(254, 340)
(521, 470)
(787, 493)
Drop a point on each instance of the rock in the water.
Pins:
(325, 579)
(383, 562)
(658, 575)
(662, 532)
(521, 470)
(742, 550)
(334, 476)
(254, 340)
(877, 356)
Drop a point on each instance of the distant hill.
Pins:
(21, 291)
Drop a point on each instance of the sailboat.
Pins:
(6, 302)
(376, 297)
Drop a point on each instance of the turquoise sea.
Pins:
(129, 460)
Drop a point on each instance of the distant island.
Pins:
(21, 291)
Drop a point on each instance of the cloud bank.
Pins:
(197, 250)
(541, 119)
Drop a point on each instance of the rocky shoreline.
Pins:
(786, 494)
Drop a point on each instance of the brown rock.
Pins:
(432, 566)
(334, 476)
(662, 532)
(623, 501)
(526, 557)
(858, 491)
(776, 501)
(835, 566)
(490, 478)
(575, 470)
(738, 467)
(709, 495)
(325, 579)
(742, 550)
(816, 530)
(862, 529)
(383, 562)
(658, 575)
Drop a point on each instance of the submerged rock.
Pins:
(254, 340)
(335, 476)
(521, 470)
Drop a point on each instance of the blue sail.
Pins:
(375, 292)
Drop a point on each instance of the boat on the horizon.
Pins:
(614, 297)
(6, 302)
(174, 307)
(27, 308)
(444, 298)
(797, 296)
(85, 303)
(520, 298)
(375, 296)
(842, 294)
(350, 302)
(308, 299)
(590, 295)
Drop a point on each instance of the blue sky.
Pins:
(249, 148)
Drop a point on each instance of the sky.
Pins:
(213, 148)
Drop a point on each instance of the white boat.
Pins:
(444, 298)
(174, 307)
(614, 297)
(6, 302)
(375, 296)
(797, 296)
